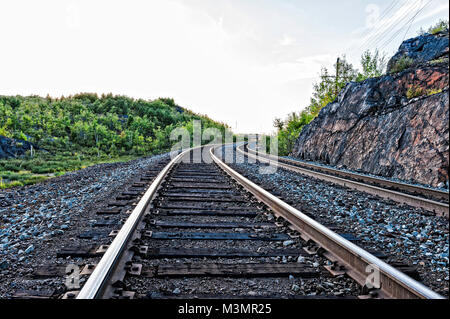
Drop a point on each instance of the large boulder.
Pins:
(421, 49)
(13, 148)
(393, 126)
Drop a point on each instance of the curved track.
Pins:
(198, 220)
(431, 200)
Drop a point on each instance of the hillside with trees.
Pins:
(69, 133)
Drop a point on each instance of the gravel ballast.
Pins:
(402, 232)
(37, 220)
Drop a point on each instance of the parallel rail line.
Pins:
(396, 191)
(349, 258)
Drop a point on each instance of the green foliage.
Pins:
(402, 64)
(84, 129)
(373, 65)
(325, 92)
(86, 123)
(441, 26)
(290, 130)
(329, 86)
(414, 92)
(439, 61)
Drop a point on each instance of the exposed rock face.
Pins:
(13, 148)
(377, 127)
(422, 49)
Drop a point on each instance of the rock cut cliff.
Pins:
(394, 126)
(11, 148)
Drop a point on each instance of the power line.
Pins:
(391, 26)
(383, 15)
(386, 27)
(389, 9)
(410, 20)
(409, 27)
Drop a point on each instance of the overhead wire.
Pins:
(409, 27)
(382, 16)
(396, 34)
(392, 26)
(385, 27)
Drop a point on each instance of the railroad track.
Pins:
(202, 230)
(431, 200)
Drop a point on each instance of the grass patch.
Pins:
(32, 170)
(432, 92)
(439, 61)
(402, 64)
(416, 91)
(441, 26)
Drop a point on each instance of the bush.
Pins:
(11, 167)
(402, 64)
(441, 26)
(414, 92)
(439, 61)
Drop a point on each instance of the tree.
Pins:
(373, 65)
(329, 86)
(278, 124)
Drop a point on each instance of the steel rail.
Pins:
(439, 208)
(435, 193)
(393, 283)
(97, 280)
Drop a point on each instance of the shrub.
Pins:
(402, 64)
(11, 167)
(439, 61)
(441, 26)
(418, 91)
(414, 92)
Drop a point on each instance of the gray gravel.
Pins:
(37, 220)
(280, 286)
(444, 186)
(399, 231)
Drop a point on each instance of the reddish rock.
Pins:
(373, 127)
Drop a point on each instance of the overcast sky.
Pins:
(243, 62)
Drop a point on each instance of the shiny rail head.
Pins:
(402, 280)
(440, 209)
(369, 177)
(94, 286)
(97, 280)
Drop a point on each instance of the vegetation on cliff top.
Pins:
(440, 26)
(85, 129)
(324, 92)
(331, 83)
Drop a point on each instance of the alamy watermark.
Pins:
(373, 279)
